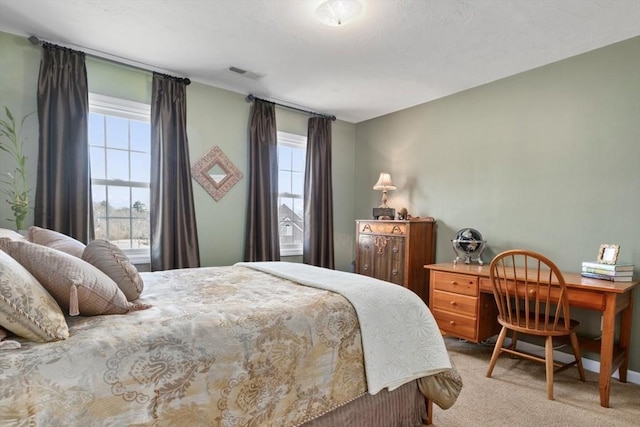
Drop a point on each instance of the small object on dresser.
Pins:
(611, 272)
(402, 214)
(384, 213)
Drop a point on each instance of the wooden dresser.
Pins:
(396, 251)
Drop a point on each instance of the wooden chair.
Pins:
(530, 292)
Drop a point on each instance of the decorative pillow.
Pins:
(55, 240)
(113, 262)
(77, 286)
(10, 234)
(26, 308)
(6, 344)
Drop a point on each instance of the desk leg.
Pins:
(625, 338)
(606, 348)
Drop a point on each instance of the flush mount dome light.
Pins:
(338, 12)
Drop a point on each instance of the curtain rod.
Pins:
(36, 41)
(251, 98)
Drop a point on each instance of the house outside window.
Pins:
(291, 163)
(120, 155)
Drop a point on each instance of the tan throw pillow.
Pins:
(26, 308)
(113, 262)
(77, 286)
(10, 234)
(56, 240)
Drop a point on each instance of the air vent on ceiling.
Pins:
(245, 73)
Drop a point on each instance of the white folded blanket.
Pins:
(400, 338)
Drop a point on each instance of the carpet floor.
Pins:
(515, 395)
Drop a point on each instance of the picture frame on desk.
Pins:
(608, 254)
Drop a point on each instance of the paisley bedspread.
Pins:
(221, 346)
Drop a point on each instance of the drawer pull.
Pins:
(454, 283)
(394, 272)
(395, 249)
(452, 302)
(452, 323)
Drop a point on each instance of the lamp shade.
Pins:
(384, 182)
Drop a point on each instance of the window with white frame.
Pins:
(291, 163)
(120, 153)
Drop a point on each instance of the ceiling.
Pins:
(394, 55)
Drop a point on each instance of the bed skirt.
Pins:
(402, 407)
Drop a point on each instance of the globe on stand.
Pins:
(468, 245)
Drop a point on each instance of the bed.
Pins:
(253, 344)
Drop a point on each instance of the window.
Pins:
(291, 162)
(119, 146)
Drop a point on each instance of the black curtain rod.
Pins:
(251, 98)
(34, 40)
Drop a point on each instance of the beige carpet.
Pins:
(515, 395)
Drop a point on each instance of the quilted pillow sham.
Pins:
(113, 262)
(26, 308)
(56, 240)
(77, 286)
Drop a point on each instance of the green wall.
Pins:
(214, 117)
(547, 160)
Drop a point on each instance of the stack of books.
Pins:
(611, 272)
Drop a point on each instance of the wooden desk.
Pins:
(466, 283)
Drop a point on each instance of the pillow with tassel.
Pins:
(77, 286)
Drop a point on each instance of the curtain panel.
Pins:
(63, 189)
(318, 196)
(174, 237)
(262, 240)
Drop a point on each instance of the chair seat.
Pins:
(542, 329)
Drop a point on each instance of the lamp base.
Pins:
(384, 213)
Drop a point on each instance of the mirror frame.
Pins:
(200, 172)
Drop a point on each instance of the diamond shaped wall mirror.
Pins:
(216, 173)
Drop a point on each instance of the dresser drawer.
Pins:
(396, 228)
(456, 324)
(457, 283)
(459, 304)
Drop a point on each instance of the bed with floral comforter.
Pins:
(220, 346)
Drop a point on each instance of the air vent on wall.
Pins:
(245, 73)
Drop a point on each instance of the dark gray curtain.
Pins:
(63, 189)
(262, 241)
(318, 196)
(174, 237)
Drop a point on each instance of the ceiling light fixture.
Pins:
(338, 12)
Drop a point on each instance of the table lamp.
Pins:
(385, 184)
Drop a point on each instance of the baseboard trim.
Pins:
(589, 364)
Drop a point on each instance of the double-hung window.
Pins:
(291, 163)
(119, 146)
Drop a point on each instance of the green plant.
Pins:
(18, 191)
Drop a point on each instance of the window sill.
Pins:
(139, 259)
(290, 252)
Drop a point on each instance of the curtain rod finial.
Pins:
(34, 40)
